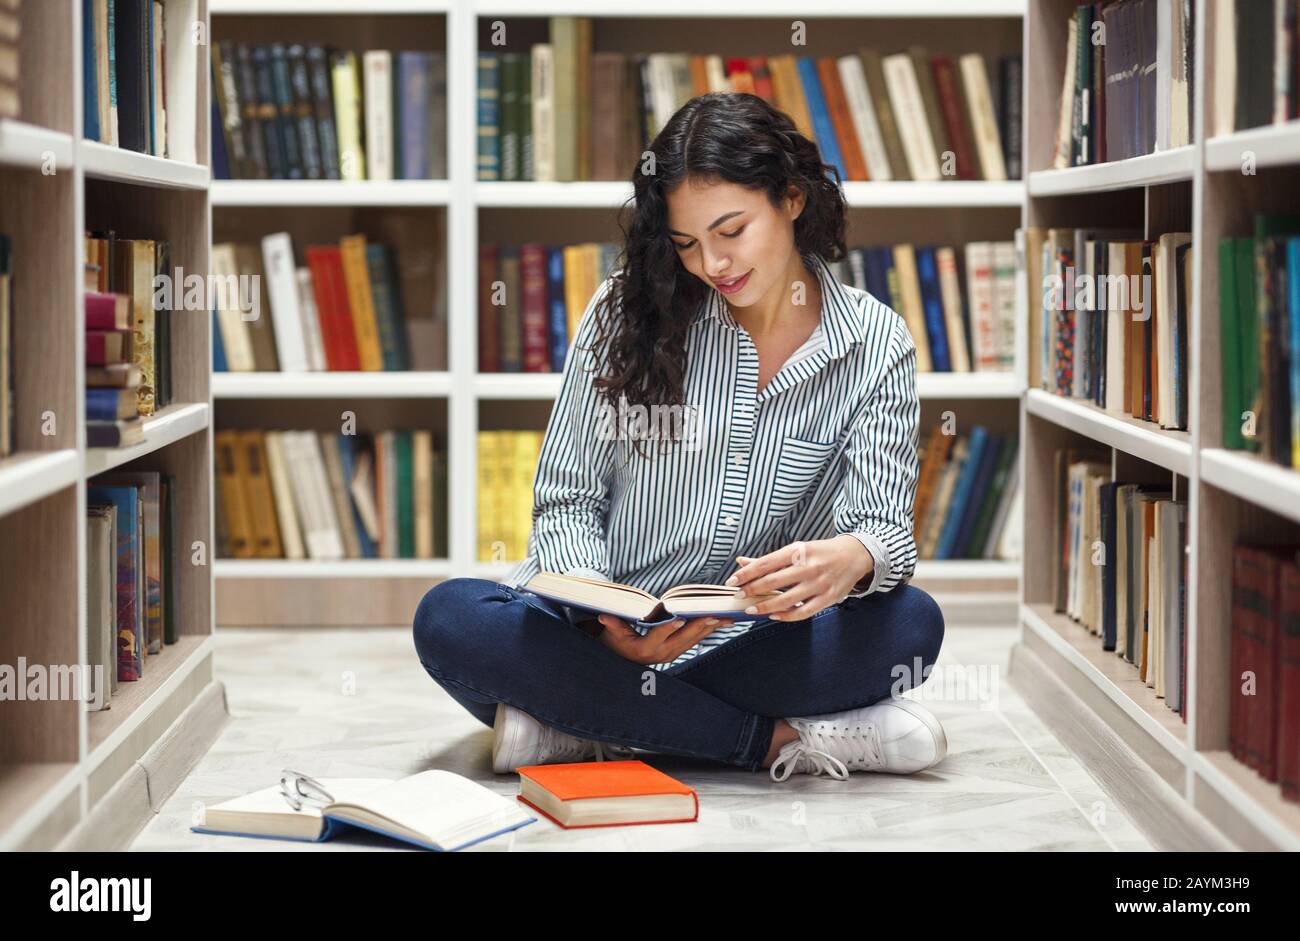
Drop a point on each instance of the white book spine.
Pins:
(865, 125)
(909, 111)
(1117, 326)
(290, 535)
(282, 290)
(979, 283)
(310, 318)
(663, 92)
(378, 67)
(181, 56)
(983, 122)
(235, 340)
(1004, 299)
(717, 75)
(543, 107)
(950, 292)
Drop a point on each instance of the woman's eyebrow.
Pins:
(716, 222)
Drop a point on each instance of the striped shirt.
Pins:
(828, 446)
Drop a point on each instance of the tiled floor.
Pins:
(356, 703)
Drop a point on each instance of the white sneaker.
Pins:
(899, 736)
(518, 739)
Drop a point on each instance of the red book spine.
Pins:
(101, 311)
(532, 271)
(762, 78)
(1240, 613)
(1288, 733)
(97, 353)
(950, 104)
(489, 359)
(337, 335)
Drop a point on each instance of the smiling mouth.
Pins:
(732, 281)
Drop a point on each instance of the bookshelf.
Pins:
(72, 778)
(458, 401)
(1178, 779)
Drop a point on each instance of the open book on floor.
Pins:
(435, 810)
(640, 607)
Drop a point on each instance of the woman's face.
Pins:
(732, 238)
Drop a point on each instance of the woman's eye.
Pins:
(682, 247)
(732, 235)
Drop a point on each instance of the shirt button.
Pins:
(729, 520)
(739, 460)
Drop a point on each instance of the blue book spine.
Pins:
(877, 286)
(413, 77)
(489, 116)
(348, 461)
(220, 158)
(559, 320)
(111, 42)
(821, 117)
(961, 493)
(218, 348)
(932, 301)
(148, 18)
(90, 75)
(988, 463)
(101, 404)
(1293, 354)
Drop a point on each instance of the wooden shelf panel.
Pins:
(1112, 675)
(378, 385)
(29, 146)
(1168, 166)
(612, 194)
(1272, 146)
(1256, 799)
(29, 793)
(168, 426)
(1142, 439)
(30, 476)
(330, 193)
(1250, 478)
(342, 568)
(117, 164)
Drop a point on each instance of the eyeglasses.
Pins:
(297, 787)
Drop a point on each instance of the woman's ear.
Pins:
(796, 199)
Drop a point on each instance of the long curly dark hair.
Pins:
(642, 322)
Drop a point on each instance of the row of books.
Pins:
(1259, 330)
(300, 111)
(507, 463)
(131, 580)
(1112, 324)
(328, 495)
(11, 28)
(968, 500)
(125, 75)
(128, 336)
(960, 306)
(341, 310)
(6, 348)
(905, 116)
(1264, 724)
(1256, 64)
(1120, 568)
(1127, 83)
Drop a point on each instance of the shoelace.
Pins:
(812, 752)
(557, 744)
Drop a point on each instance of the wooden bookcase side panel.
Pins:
(47, 36)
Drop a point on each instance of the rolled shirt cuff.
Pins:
(879, 571)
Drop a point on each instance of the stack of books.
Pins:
(1264, 728)
(1130, 93)
(968, 496)
(324, 495)
(300, 111)
(1259, 324)
(341, 310)
(1112, 324)
(131, 578)
(1120, 569)
(909, 115)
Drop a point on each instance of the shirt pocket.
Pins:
(801, 463)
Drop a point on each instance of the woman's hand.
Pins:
(818, 572)
(661, 644)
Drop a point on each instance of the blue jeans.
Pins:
(485, 642)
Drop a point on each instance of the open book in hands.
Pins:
(640, 608)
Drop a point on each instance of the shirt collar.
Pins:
(841, 315)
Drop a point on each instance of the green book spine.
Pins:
(1247, 349)
(992, 497)
(1230, 345)
(440, 548)
(405, 501)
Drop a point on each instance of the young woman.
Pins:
(797, 475)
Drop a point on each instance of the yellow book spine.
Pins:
(357, 275)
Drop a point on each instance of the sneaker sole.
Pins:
(503, 739)
(931, 723)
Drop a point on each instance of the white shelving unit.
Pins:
(1092, 698)
(71, 778)
(470, 400)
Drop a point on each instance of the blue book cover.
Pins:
(979, 493)
(148, 18)
(877, 283)
(1108, 583)
(413, 69)
(347, 459)
(218, 348)
(932, 301)
(220, 158)
(489, 116)
(101, 404)
(111, 42)
(89, 74)
(1293, 312)
(130, 644)
(961, 493)
(821, 116)
(558, 316)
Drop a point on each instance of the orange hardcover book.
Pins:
(606, 794)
